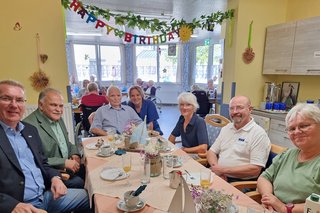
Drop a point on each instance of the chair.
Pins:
(203, 101)
(86, 111)
(255, 195)
(214, 123)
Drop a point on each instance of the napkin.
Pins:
(139, 133)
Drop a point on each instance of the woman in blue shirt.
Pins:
(144, 107)
(190, 126)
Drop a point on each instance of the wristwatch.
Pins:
(289, 207)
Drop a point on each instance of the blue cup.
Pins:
(269, 106)
(276, 106)
(283, 106)
(310, 101)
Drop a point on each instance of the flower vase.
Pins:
(155, 165)
(127, 143)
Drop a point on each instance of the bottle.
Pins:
(312, 204)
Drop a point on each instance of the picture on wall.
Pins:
(289, 93)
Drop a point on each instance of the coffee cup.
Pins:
(130, 200)
(105, 150)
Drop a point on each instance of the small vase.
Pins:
(155, 165)
(127, 143)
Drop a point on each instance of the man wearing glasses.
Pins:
(27, 182)
(242, 146)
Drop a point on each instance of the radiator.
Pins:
(67, 117)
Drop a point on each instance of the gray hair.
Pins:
(305, 111)
(92, 87)
(12, 83)
(45, 92)
(188, 97)
(112, 87)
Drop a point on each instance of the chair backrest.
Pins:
(86, 111)
(203, 101)
(214, 123)
(275, 150)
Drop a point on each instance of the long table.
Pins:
(158, 194)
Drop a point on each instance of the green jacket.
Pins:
(49, 141)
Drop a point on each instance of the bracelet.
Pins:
(57, 177)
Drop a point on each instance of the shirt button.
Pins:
(21, 183)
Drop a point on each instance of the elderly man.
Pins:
(92, 98)
(242, 146)
(60, 152)
(26, 177)
(113, 116)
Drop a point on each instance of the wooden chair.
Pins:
(214, 124)
(255, 195)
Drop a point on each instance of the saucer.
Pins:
(122, 206)
(112, 174)
(99, 154)
(92, 146)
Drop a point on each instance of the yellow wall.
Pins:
(248, 77)
(18, 52)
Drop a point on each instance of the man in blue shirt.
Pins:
(26, 176)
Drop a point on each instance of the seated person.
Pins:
(151, 91)
(294, 174)
(113, 116)
(144, 107)
(83, 91)
(61, 153)
(142, 84)
(27, 182)
(242, 146)
(211, 90)
(190, 126)
(92, 98)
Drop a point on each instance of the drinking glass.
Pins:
(205, 178)
(126, 165)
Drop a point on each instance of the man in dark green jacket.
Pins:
(60, 152)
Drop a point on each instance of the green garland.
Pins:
(207, 22)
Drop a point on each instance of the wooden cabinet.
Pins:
(306, 51)
(278, 135)
(278, 48)
(293, 48)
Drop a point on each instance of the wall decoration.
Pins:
(90, 13)
(289, 93)
(39, 79)
(172, 49)
(248, 55)
(17, 27)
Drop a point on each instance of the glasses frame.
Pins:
(304, 127)
(9, 100)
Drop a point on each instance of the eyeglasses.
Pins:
(300, 127)
(9, 100)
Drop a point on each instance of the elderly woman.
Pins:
(190, 127)
(144, 107)
(294, 174)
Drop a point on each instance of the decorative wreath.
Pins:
(39, 80)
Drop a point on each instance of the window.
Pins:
(202, 55)
(154, 63)
(105, 63)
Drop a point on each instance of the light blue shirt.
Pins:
(109, 118)
(34, 183)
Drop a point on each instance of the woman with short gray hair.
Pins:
(190, 126)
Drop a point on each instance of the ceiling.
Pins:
(77, 28)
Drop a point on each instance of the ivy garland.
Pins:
(207, 22)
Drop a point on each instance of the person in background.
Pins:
(84, 89)
(195, 87)
(242, 147)
(113, 116)
(142, 84)
(151, 91)
(93, 98)
(144, 108)
(61, 153)
(295, 173)
(103, 91)
(27, 182)
(190, 126)
(211, 89)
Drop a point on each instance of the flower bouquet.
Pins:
(210, 200)
(151, 151)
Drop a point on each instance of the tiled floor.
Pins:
(168, 118)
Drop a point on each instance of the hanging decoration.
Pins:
(168, 30)
(248, 54)
(39, 79)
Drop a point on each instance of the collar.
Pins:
(19, 128)
(110, 107)
(192, 121)
(47, 118)
(246, 127)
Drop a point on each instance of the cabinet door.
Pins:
(306, 52)
(278, 48)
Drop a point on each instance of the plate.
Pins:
(122, 206)
(110, 173)
(92, 146)
(99, 154)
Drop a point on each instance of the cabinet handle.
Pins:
(313, 70)
(281, 70)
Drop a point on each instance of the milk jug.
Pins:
(312, 204)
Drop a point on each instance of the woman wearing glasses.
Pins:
(294, 174)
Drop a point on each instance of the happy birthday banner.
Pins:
(127, 37)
